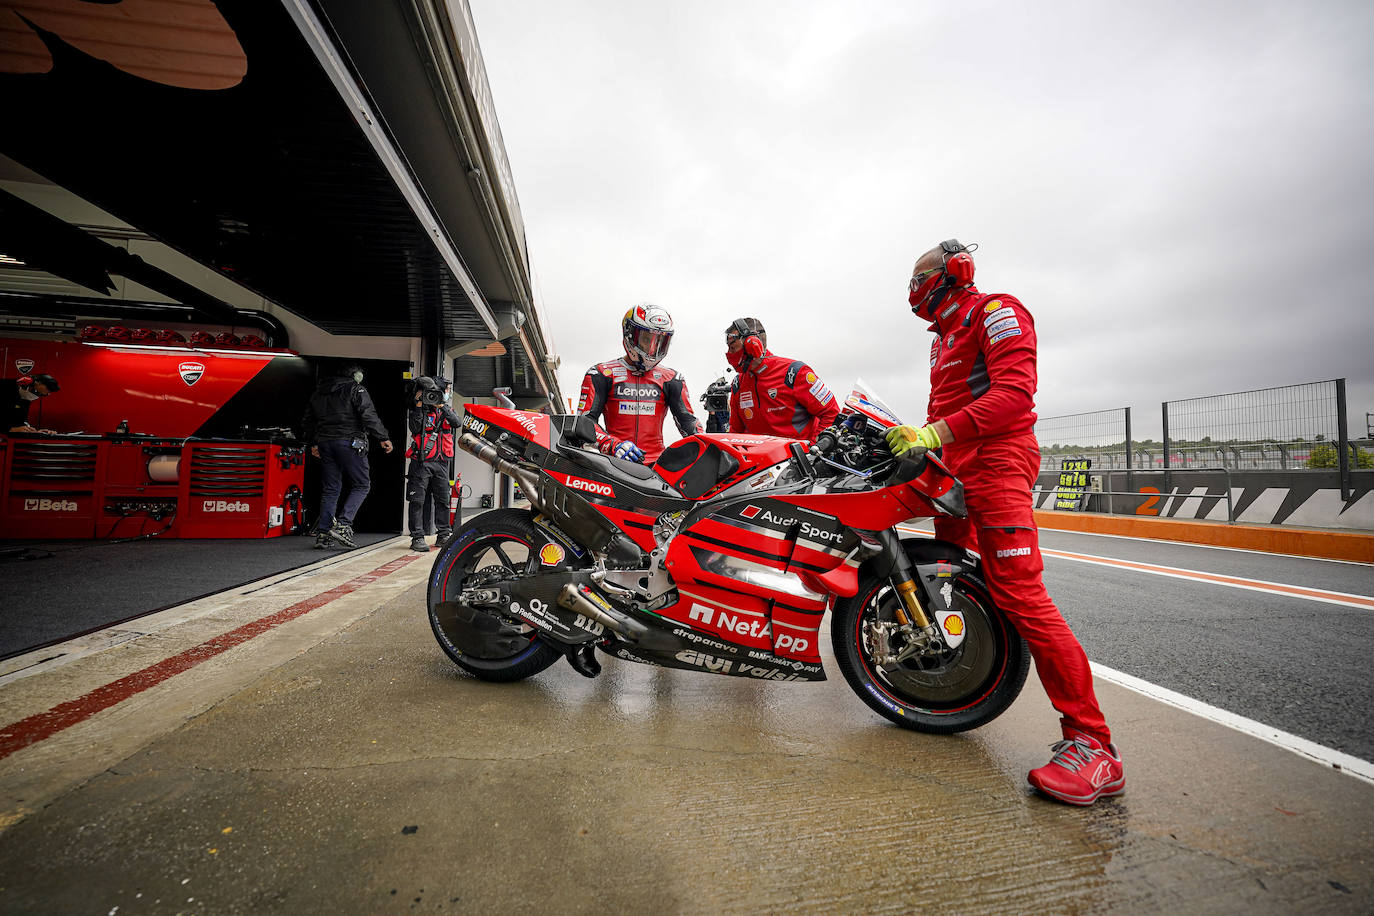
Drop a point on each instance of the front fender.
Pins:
(935, 562)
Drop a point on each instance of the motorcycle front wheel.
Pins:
(957, 690)
(493, 545)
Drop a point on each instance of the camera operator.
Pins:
(432, 426)
(716, 401)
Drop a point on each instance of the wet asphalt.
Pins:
(340, 763)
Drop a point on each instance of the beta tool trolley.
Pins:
(122, 486)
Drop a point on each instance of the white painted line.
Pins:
(1345, 599)
(1192, 575)
(1360, 769)
(1160, 541)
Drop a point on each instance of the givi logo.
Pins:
(49, 505)
(191, 372)
(591, 486)
(220, 505)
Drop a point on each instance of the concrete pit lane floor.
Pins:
(302, 745)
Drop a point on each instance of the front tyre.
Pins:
(960, 689)
(493, 545)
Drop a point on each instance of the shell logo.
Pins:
(954, 625)
(551, 555)
(993, 306)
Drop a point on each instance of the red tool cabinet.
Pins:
(112, 487)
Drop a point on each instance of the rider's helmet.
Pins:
(647, 329)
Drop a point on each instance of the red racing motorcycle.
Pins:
(724, 557)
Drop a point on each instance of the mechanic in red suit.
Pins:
(982, 390)
(635, 392)
(773, 395)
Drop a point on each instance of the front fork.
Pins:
(920, 635)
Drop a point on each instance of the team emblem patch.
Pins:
(772, 392)
(191, 372)
(25, 366)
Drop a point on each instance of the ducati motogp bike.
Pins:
(724, 557)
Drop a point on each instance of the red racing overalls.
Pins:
(982, 384)
(635, 404)
(781, 397)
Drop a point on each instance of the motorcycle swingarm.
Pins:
(532, 600)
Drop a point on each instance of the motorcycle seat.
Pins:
(576, 432)
(630, 474)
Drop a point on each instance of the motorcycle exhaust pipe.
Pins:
(528, 480)
(582, 600)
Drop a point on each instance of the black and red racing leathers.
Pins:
(634, 404)
(982, 384)
(781, 397)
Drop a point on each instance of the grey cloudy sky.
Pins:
(1179, 191)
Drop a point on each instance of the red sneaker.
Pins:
(1081, 771)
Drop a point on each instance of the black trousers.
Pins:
(427, 477)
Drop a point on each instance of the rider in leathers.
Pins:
(635, 393)
(982, 388)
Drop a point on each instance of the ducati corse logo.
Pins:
(191, 372)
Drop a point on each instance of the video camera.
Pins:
(431, 395)
(717, 396)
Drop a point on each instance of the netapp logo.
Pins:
(591, 486)
(49, 505)
(220, 505)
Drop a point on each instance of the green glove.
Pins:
(902, 439)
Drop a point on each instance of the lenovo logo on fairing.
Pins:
(49, 505)
(220, 505)
(591, 486)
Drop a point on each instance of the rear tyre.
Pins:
(964, 688)
(493, 544)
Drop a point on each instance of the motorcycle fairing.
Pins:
(760, 665)
(524, 423)
(705, 464)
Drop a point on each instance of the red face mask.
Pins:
(927, 290)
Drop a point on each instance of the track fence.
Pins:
(1290, 428)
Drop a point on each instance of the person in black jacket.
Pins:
(17, 395)
(432, 425)
(338, 421)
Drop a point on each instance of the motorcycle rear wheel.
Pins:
(964, 688)
(501, 538)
